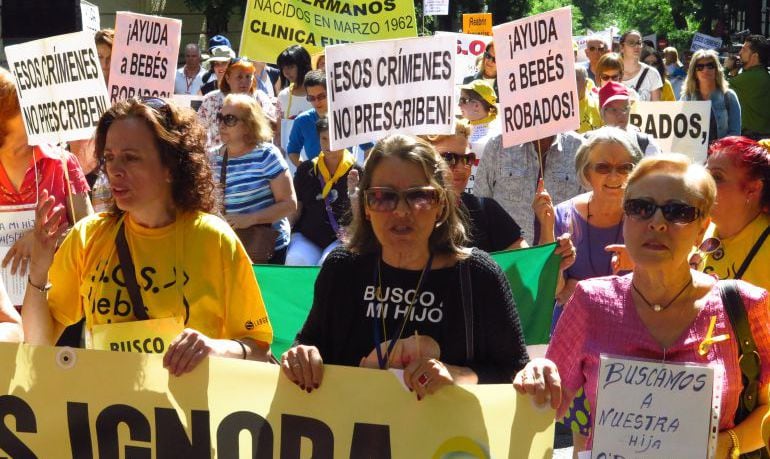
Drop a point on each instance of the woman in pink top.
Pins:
(660, 311)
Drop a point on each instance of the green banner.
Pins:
(532, 273)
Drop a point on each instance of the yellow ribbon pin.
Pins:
(705, 345)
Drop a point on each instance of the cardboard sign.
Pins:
(15, 221)
(187, 100)
(478, 24)
(435, 7)
(89, 16)
(390, 86)
(60, 87)
(536, 77)
(144, 56)
(469, 49)
(650, 409)
(271, 26)
(678, 127)
(229, 408)
(703, 41)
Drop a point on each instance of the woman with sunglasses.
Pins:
(487, 68)
(392, 297)
(254, 177)
(706, 81)
(637, 75)
(660, 311)
(158, 273)
(239, 78)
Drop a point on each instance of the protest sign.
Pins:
(144, 56)
(581, 42)
(15, 221)
(651, 409)
(390, 86)
(678, 127)
(60, 87)
(478, 24)
(89, 16)
(61, 402)
(271, 26)
(186, 100)
(652, 38)
(435, 7)
(536, 76)
(469, 49)
(703, 41)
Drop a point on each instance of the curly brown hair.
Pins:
(9, 102)
(181, 142)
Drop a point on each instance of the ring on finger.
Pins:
(423, 380)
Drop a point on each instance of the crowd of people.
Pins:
(402, 226)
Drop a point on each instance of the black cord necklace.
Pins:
(657, 307)
(596, 272)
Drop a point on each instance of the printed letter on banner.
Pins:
(650, 409)
(390, 86)
(269, 27)
(60, 87)
(536, 77)
(678, 127)
(144, 56)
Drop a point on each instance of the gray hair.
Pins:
(602, 136)
(581, 73)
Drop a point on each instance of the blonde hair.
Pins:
(259, 130)
(462, 129)
(691, 83)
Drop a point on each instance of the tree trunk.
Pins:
(754, 16)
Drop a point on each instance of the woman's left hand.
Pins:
(19, 254)
(186, 351)
(239, 221)
(426, 376)
(540, 379)
(566, 250)
(405, 351)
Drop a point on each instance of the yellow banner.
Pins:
(60, 402)
(478, 23)
(270, 26)
(148, 336)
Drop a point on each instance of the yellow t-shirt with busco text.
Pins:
(214, 292)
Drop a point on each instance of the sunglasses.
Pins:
(607, 168)
(606, 77)
(318, 98)
(227, 120)
(465, 100)
(160, 106)
(701, 67)
(460, 158)
(710, 245)
(596, 48)
(673, 212)
(384, 199)
(618, 111)
(489, 56)
(633, 43)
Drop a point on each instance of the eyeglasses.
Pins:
(384, 199)
(615, 77)
(701, 67)
(596, 48)
(710, 245)
(452, 159)
(160, 106)
(318, 98)
(465, 100)
(633, 43)
(673, 212)
(607, 168)
(487, 55)
(228, 120)
(618, 111)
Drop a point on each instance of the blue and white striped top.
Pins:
(248, 183)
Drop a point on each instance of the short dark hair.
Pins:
(322, 125)
(315, 78)
(295, 55)
(759, 45)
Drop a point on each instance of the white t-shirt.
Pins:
(650, 83)
(184, 85)
(480, 135)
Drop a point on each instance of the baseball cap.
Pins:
(483, 88)
(612, 91)
(219, 40)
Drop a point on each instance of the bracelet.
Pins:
(243, 348)
(44, 289)
(735, 450)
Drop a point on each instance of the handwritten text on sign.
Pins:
(390, 86)
(649, 409)
(536, 76)
(679, 127)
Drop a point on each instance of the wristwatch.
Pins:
(735, 450)
(44, 289)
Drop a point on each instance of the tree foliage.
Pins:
(217, 13)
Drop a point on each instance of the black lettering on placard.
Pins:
(148, 66)
(67, 114)
(172, 439)
(25, 421)
(148, 345)
(79, 430)
(283, 32)
(662, 378)
(107, 424)
(68, 66)
(540, 71)
(532, 34)
(540, 111)
(378, 116)
(371, 441)
(293, 428)
(332, 6)
(125, 92)
(284, 9)
(666, 125)
(147, 31)
(230, 428)
(609, 456)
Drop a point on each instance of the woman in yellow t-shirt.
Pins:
(156, 274)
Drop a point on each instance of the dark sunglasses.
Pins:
(701, 67)
(454, 158)
(160, 106)
(489, 56)
(607, 168)
(710, 245)
(227, 120)
(606, 77)
(318, 98)
(673, 212)
(596, 48)
(465, 100)
(384, 199)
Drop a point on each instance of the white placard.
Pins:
(435, 7)
(469, 49)
(144, 56)
(536, 77)
(581, 41)
(188, 100)
(60, 87)
(653, 37)
(15, 221)
(650, 409)
(703, 41)
(678, 127)
(89, 15)
(383, 87)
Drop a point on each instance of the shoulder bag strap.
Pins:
(129, 272)
(748, 357)
(752, 253)
(466, 294)
(641, 79)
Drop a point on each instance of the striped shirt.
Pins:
(248, 183)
